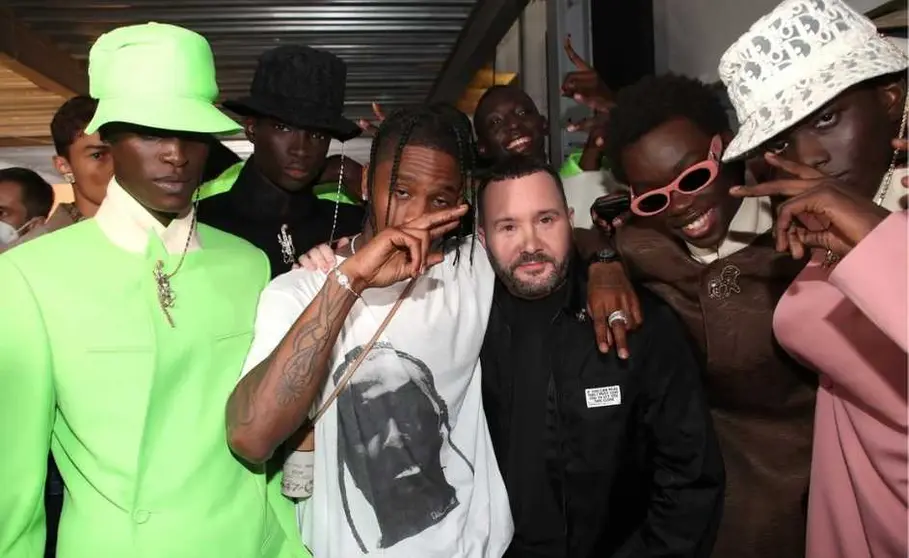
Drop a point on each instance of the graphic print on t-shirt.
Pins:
(393, 427)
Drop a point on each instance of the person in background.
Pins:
(291, 115)
(601, 457)
(829, 137)
(141, 335)
(25, 202)
(711, 257)
(82, 160)
(508, 122)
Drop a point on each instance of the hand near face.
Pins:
(371, 128)
(818, 212)
(398, 253)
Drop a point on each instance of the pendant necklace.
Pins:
(288, 252)
(166, 296)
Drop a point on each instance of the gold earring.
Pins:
(69, 178)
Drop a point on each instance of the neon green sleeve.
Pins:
(27, 409)
(571, 166)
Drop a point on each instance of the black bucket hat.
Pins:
(302, 87)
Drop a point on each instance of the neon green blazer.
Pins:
(132, 409)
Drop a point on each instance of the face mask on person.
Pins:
(8, 233)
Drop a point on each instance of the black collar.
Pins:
(258, 198)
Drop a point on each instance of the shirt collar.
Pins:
(128, 224)
(754, 218)
(258, 198)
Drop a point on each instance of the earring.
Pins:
(69, 178)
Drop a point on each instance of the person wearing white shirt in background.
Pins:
(403, 463)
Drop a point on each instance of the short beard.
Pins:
(531, 291)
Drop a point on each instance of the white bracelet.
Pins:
(343, 280)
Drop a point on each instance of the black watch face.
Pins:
(606, 254)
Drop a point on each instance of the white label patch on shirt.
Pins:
(606, 396)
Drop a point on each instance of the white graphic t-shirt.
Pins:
(404, 466)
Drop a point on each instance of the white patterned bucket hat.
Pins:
(796, 59)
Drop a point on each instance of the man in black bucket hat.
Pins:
(294, 110)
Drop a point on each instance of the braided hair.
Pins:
(436, 126)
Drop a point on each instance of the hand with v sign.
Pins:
(397, 253)
(585, 86)
(819, 212)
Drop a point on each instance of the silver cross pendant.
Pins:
(166, 296)
(288, 253)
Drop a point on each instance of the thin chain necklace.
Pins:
(334, 221)
(166, 295)
(885, 185)
(830, 258)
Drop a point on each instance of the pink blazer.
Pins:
(850, 326)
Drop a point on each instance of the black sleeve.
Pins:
(686, 500)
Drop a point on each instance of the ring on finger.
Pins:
(617, 316)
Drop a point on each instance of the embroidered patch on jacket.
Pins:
(606, 396)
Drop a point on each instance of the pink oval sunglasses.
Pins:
(692, 180)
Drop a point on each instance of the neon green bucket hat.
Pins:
(156, 75)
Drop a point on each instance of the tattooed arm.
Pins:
(271, 402)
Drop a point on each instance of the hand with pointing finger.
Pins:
(819, 211)
(585, 86)
(398, 253)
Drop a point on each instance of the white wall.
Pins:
(691, 35)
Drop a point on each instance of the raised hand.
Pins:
(819, 212)
(584, 84)
(397, 253)
(372, 127)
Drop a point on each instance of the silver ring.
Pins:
(617, 316)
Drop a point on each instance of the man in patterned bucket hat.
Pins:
(127, 333)
(822, 95)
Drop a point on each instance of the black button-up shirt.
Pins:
(601, 457)
(255, 209)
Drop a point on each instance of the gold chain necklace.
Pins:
(166, 295)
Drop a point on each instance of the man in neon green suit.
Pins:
(125, 334)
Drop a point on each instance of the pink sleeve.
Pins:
(873, 277)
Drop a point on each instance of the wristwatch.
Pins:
(604, 255)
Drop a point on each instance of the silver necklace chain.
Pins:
(334, 221)
(885, 185)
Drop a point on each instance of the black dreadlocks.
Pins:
(436, 126)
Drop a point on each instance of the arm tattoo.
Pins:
(309, 343)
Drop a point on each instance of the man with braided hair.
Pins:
(403, 463)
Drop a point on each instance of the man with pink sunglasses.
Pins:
(711, 257)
